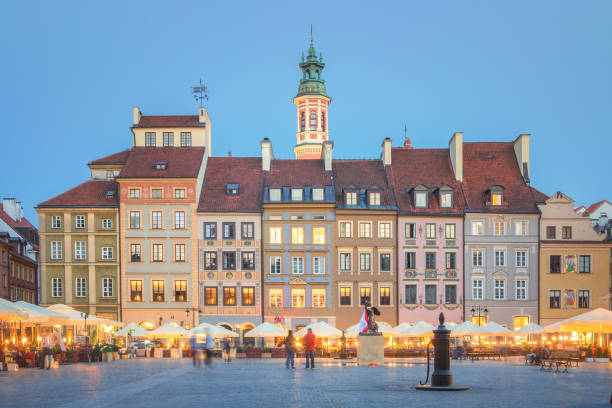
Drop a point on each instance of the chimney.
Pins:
(10, 207)
(266, 154)
(455, 147)
(326, 154)
(203, 116)
(386, 153)
(603, 220)
(136, 115)
(19, 211)
(521, 151)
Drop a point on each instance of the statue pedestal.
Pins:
(371, 349)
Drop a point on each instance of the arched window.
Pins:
(302, 122)
(313, 120)
(323, 121)
(318, 74)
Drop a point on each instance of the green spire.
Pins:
(312, 82)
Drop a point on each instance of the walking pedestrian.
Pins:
(290, 349)
(310, 341)
(209, 347)
(195, 351)
(227, 349)
(49, 340)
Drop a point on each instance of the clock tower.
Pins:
(311, 102)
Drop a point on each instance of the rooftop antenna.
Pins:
(200, 93)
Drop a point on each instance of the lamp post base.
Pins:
(428, 387)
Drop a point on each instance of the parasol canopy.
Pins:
(38, 314)
(494, 329)
(132, 329)
(266, 330)
(9, 311)
(530, 328)
(598, 320)
(420, 329)
(214, 331)
(74, 316)
(320, 329)
(168, 330)
(466, 328)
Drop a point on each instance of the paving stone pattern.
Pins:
(267, 383)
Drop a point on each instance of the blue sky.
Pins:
(72, 71)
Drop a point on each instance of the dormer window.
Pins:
(161, 165)
(496, 195)
(351, 198)
(232, 189)
(297, 194)
(318, 194)
(110, 194)
(275, 194)
(420, 199)
(446, 197)
(374, 198)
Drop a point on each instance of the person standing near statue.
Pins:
(310, 341)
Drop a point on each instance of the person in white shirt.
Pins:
(49, 340)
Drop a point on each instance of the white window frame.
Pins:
(179, 220)
(57, 287)
(500, 232)
(297, 265)
(107, 253)
(80, 285)
(380, 254)
(497, 289)
(297, 194)
(79, 221)
(318, 265)
(369, 263)
(517, 227)
(80, 250)
(446, 200)
(294, 292)
(345, 229)
(362, 232)
(374, 199)
(277, 294)
(57, 250)
(157, 220)
(340, 261)
(108, 288)
(134, 193)
(420, 200)
(477, 227)
(275, 194)
(481, 258)
(318, 194)
(179, 254)
(385, 230)
(107, 223)
(318, 300)
(56, 221)
(350, 288)
(316, 240)
(297, 238)
(478, 289)
(276, 265)
(523, 289)
(495, 258)
(390, 295)
(275, 235)
(525, 263)
(351, 198)
(407, 227)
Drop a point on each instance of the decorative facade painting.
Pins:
(570, 263)
(569, 299)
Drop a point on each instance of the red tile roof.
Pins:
(24, 223)
(539, 196)
(91, 193)
(183, 162)
(220, 171)
(161, 121)
(115, 158)
(363, 174)
(594, 207)
(287, 173)
(494, 163)
(429, 167)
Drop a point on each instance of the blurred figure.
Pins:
(227, 349)
(49, 340)
(210, 344)
(310, 341)
(290, 349)
(195, 351)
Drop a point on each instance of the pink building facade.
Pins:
(430, 260)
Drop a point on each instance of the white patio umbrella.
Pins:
(10, 312)
(598, 320)
(74, 316)
(168, 330)
(466, 328)
(384, 328)
(132, 329)
(266, 330)
(401, 329)
(39, 315)
(494, 329)
(528, 329)
(320, 329)
(420, 329)
(214, 331)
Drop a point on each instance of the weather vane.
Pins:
(200, 93)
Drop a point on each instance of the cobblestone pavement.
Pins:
(267, 383)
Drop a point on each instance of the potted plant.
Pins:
(107, 349)
(600, 358)
(266, 352)
(240, 352)
(589, 354)
(115, 352)
(57, 354)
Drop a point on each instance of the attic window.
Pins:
(275, 194)
(420, 199)
(496, 198)
(317, 194)
(232, 189)
(446, 197)
(110, 194)
(496, 195)
(297, 194)
(374, 199)
(161, 165)
(351, 198)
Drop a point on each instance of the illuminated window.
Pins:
(158, 290)
(496, 198)
(275, 235)
(276, 298)
(180, 290)
(520, 321)
(136, 290)
(385, 296)
(479, 320)
(248, 296)
(365, 295)
(298, 297)
(297, 235)
(210, 296)
(345, 296)
(229, 296)
(318, 297)
(499, 228)
(318, 235)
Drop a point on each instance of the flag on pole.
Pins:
(363, 323)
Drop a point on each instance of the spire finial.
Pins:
(407, 142)
(311, 33)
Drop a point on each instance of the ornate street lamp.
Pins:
(480, 312)
(85, 315)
